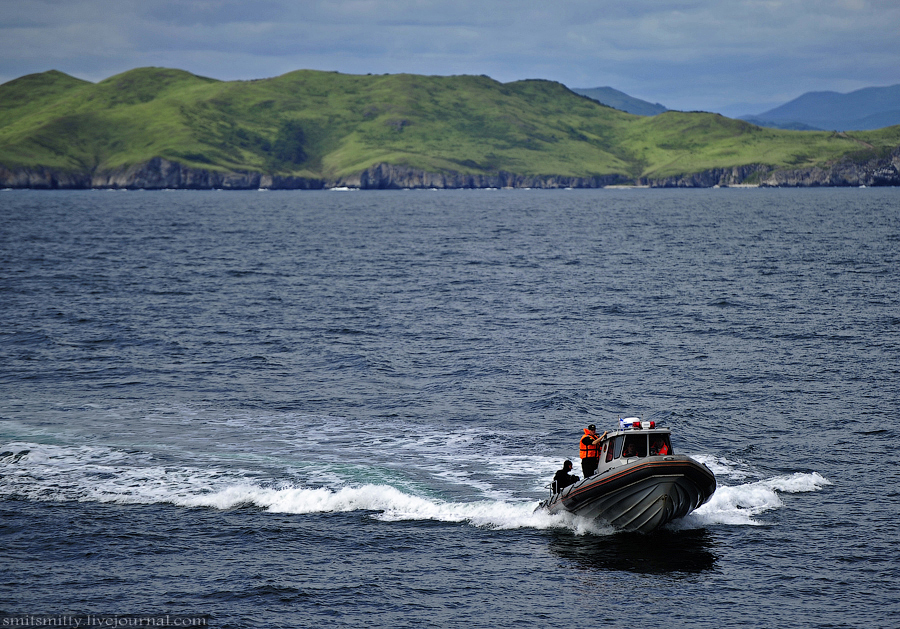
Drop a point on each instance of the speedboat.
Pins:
(640, 484)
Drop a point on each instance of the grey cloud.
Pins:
(685, 54)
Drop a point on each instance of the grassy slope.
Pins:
(467, 124)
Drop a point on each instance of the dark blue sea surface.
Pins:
(340, 408)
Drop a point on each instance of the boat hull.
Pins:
(641, 495)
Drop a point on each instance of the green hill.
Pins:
(330, 126)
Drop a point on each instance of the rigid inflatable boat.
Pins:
(640, 484)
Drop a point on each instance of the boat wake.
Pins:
(42, 472)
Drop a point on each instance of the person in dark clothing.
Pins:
(563, 479)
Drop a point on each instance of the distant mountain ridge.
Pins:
(864, 109)
(620, 100)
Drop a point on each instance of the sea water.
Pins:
(340, 408)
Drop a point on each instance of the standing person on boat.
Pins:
(563, 479)
(590, 450)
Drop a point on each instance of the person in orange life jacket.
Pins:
(659, 448)
(590, 450)
(563, 479)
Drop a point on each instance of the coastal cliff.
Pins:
(882, 171)
(160, 173)
(388, 176)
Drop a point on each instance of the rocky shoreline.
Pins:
(160, 173)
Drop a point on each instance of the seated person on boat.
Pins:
(563, 479)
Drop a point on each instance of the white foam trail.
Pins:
(44, 472)
(55, 473)
(738, 504)
(723, 467)
(393, 505)
(49, 472)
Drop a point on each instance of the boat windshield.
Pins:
(635, 445)
(609, 445)
(614, 448)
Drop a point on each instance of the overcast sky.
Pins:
(729, 56)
